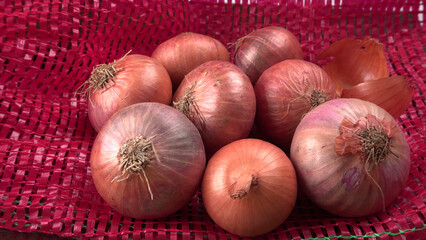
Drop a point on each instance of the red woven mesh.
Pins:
(49, 47)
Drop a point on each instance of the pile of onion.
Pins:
(285, 93)
(132, 79)
(263, 48)
(147, 161)
(219, 99)
(350, 156)
(249, 187)
(186, 51)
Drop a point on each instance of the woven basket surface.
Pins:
(49, 47)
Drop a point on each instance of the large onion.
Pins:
(249, 187)
(265, 47)
(132, 79)
(147, 161)
(285, 93)
(219, 99)
(351, 157)
(186, 51)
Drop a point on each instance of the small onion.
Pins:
(147, 161)
(285, 93)
(249, 187)
(265, 47)
(351, 157)
(186, 51)
(132, 79)
(219, 99)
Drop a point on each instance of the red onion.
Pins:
(351, 157)
(147, 161)
(132, 79)
(265, 47)
(249, 187)
(219, 99)
(186, 51)
(285, 93)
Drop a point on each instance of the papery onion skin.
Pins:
(173, 179)
(265, 47)
(223, 106)
(186, 51)
(139, 79)
(339, 183)
(284, 94)
(354, 62)
(267, 203)
(393, 94)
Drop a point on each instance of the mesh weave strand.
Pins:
(49, 47)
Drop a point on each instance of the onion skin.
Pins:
(224, 104)
(393, 94)
(266, 204)
(354, 62)
(186, 51)
(173, 178)
(340, 183)
(265, 47)
(283, 97)
(141, 79)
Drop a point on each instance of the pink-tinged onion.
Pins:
(147, 161)
(354, 62)
(186, 51)
(351, 157)
(219, 99)
(132, 79)
(393, 94)
(249, 187)
(263, 48)
(285, 93)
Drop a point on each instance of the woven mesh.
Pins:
(49, 47)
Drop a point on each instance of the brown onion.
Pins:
(219, 99)
(265, 47)
(285, 93)
(147, 161)
(351, 157)
(392, 93)
(249, 187)
(186, 51)
(132, 79)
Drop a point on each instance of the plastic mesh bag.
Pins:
(49, 47)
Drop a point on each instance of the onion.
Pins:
(285, 93)
(351, 157)
(265, 47)
(219, 99)
(132, 79)
(249, 187)
(186, 51)
(354, 62)
(147, 161)
(392, 93)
